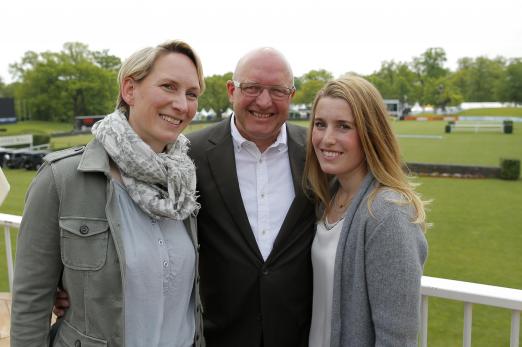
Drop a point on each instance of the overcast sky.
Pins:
(336, 35)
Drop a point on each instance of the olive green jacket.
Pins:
(71, 234)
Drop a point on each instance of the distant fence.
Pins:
(16, 140)
(454, 170)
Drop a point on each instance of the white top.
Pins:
(159, 277)
(265, 182)
(324, 249)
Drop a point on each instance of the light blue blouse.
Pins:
(159, 277)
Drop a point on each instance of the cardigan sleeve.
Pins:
(395, 253)
(38, 264)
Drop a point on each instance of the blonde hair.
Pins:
(378, 142)
(140, 64)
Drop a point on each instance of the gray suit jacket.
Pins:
(247, 300)
(378, 269)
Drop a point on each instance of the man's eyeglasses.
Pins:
(255, 89)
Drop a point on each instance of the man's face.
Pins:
(259, 118)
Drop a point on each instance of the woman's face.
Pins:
(335, 139)
(163, 103)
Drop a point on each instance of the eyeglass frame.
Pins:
(270, 88)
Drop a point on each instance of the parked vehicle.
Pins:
(33, 160)
(14, 159)
(4, 155)
(22, 158)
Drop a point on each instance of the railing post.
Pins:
(515, 329)
(424, 321)
(9, 256)
(468, 315)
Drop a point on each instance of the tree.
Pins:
(2, 87)
(309, 84)
(513, 88)
(215, 96)
(106, 61)
(480, 79)
(430, 64)
(61, 85)
(394, 81)
(430, 73)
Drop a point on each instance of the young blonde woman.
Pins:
(113, 223)
(369, 249)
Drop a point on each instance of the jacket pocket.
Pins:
(68, 336)
(84, 242)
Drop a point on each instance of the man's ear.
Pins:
(230, 90)
(127, 91)
(292, 95)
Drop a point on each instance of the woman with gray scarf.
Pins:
(113, 223)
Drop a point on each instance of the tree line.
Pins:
(77, 82)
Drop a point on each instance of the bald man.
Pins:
(255, 226)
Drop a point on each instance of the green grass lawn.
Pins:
(62, 142)
(476, 234)
(476, 237)
(466, 148)
(501, 112)
(34, 127)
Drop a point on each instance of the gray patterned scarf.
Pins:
(162, 184)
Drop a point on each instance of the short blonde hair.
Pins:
(380, 147)
(140, 64)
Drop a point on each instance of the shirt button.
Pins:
(263, 232)
(84, 229)
(165, 263)
(262, 196)
(160, 242)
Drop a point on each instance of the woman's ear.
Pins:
(127, 91)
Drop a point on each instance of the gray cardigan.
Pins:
(378, 270)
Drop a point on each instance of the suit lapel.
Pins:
(222, 165)
(296, 155)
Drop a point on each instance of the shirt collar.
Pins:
(239, 141)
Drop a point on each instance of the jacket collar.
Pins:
(94, 159)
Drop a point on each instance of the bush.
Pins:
(509, 169)
(41, 139)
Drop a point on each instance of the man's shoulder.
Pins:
(207, 137)
(204, 134)
(297, 134)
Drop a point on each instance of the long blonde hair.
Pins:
(380, 147)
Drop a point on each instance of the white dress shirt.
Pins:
(265, 182)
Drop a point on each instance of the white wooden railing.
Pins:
(8, 221)
(468, 293)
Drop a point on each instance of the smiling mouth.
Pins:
(261, 115)
(170, 119)
(330, 154)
